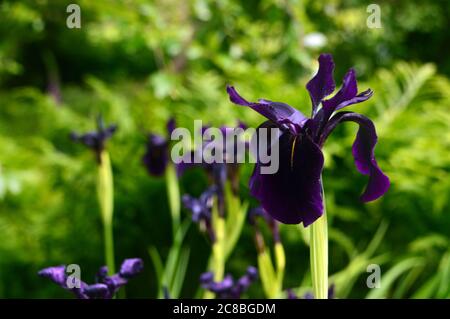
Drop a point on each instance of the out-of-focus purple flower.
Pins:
(156, 156)
(105, 286)
(166, 293)
(259, 211)
(219, 172)
(201, 209)
(131, 267)
(58, 275)
(291, 294)
(95, 140)
(293, 194)
(97, 291)
(228, 288)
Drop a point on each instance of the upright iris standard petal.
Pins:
(294, 193)
(347, 95)
(322, 84)
(348, 91)
(284, 115)
(156, 156)
(363, 153)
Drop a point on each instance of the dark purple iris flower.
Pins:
(156, 157)
(228, 288)
(104, 288)
(96, 139)
(294, 193)
(201, 209)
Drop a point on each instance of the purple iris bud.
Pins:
(206, 278)
(252, 273)
(96, 140)
(293, 194)
(131, 267)
(245, 281)
(156, 156)
(56, 274)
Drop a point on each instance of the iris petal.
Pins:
(156, 157)
(347, 95)
(294, 193)
(363, 153)
(131, 267)
(322, 84)
(284, 115)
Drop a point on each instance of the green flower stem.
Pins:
(105, 192)
(219, 250)
(319, 255)
(280, 261)
(173, 194)
(217, 262)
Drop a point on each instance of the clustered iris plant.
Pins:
(105, 186)
(105, 287)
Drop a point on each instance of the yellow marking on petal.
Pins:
(292, 153)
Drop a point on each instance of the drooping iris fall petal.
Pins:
(293, 194)
(363, 153)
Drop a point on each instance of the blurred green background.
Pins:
(139, 62)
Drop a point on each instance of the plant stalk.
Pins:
(319, 255)
(105, 192)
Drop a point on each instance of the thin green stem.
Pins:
(319, 255)
(173, 195)
(109, 247)
(105, 192)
